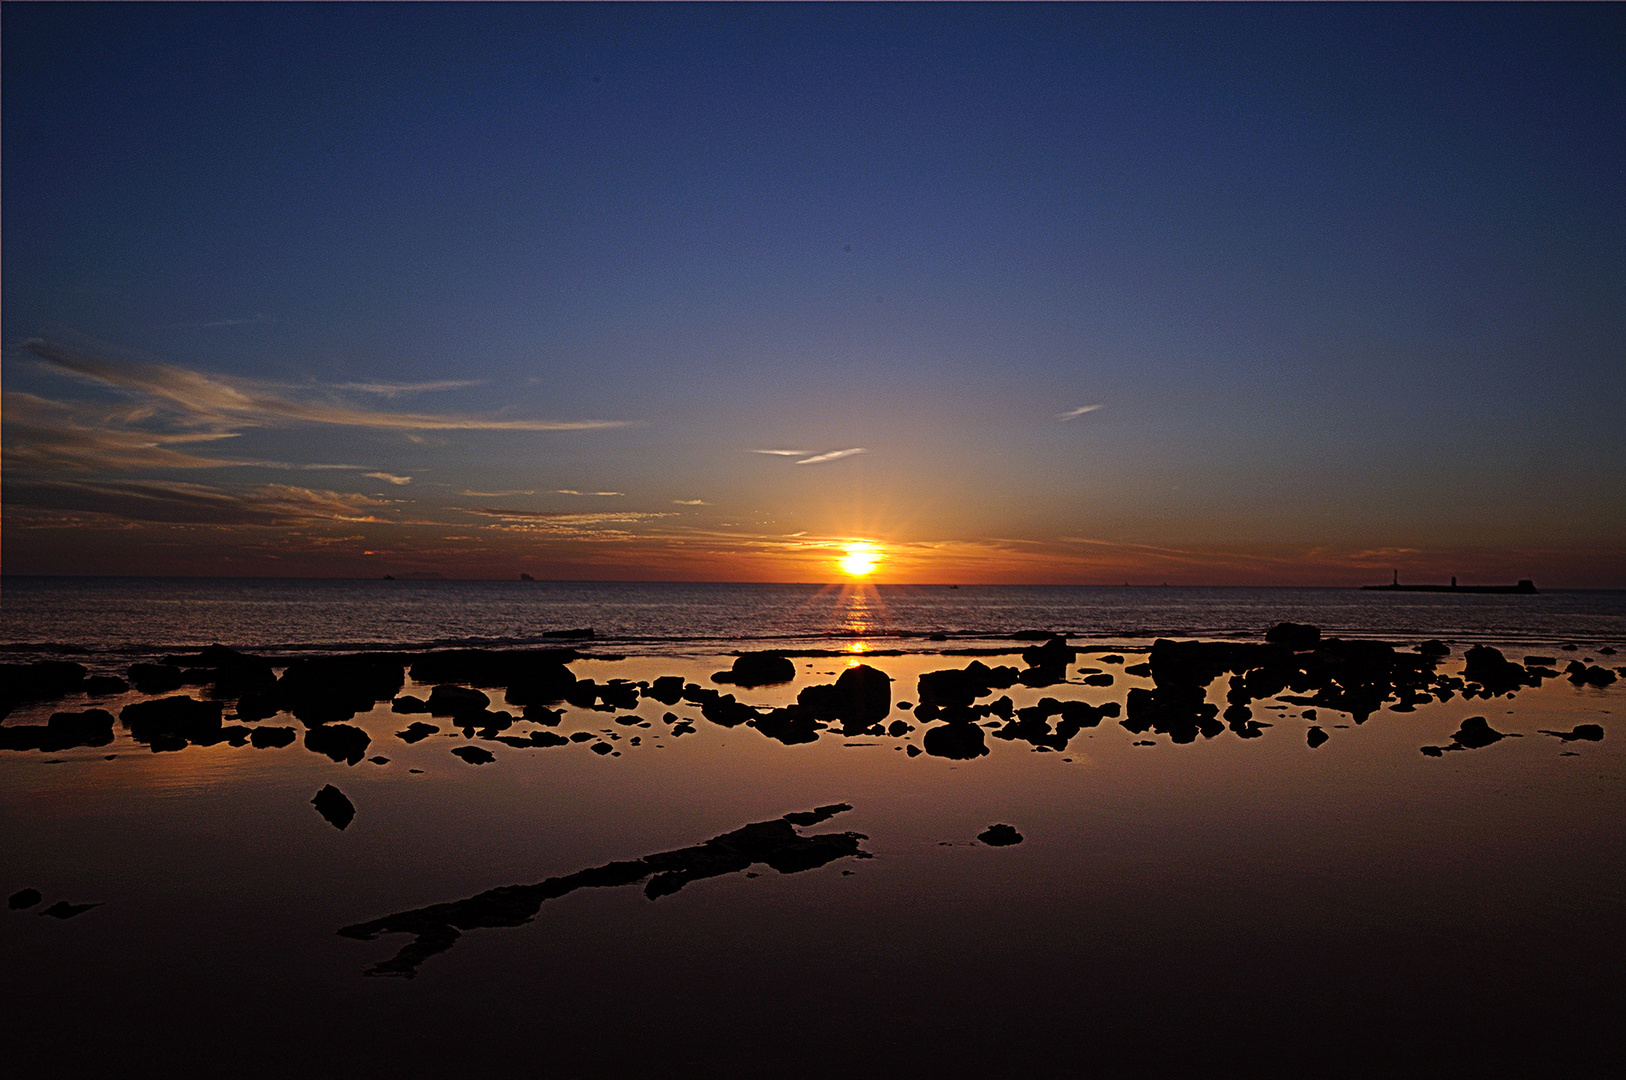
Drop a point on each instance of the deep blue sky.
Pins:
(1346, 283)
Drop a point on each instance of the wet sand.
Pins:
(1240, 904)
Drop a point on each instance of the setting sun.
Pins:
(860, 558)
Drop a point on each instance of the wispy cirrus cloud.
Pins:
(690, 502)
(549, 517)
(390, 390)
(390, 478)
(196, 398)
(600, 494)
(172, 502)
(832, 455)
(812, 457)
(1074, 414)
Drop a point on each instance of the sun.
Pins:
(860, 558)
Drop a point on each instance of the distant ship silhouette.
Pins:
(1524, 587)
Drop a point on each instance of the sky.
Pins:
(1049, 294)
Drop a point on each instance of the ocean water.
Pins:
(1306, 896)
(126, 616)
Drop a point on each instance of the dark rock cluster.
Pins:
(775, 844)
(1474, 734)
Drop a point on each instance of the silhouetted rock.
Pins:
(259, 705)
(170, 723)
(1000, 836)
(619, 694)
(227, 672)
(1586, 732)
(528, 676)
(64, 910)
(271, 738)
(1055, 652)
(960, 742)
(1541, 661)
(406, 703)
(862, 696)
(341, 742)
(960, 687)
(541, 714)
(723, 710)
(329, 689)
(668, 689)
(792, 725)
(1316, 737)
(1497, 674)
(65, 730)
(474, 755)
(534, 739)
(105, 686)
(337, 810)
(1434, 648)
(1140, 671)
(1476, 733)
(455, 701)
(1582, 675)
(44, 680)
(1296, 636)
(24, 898)
(601, 748)
(486, 722)
(913, 750)
(1102, 679)
(155, 678)
(775, 844)
(416, 731)
(755, 669)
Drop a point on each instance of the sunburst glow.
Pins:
(860, 558)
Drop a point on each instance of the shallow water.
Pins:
(1228, 906)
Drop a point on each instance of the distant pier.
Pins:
(1525, 587)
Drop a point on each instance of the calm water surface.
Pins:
(1226, 907)
(152, 614)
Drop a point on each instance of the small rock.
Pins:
(332, 804)
(24, 898)
(474, 755)
(1000, 836)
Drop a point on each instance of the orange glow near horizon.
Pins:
(859, 559)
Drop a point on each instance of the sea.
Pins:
(125, 617)
(658, 887)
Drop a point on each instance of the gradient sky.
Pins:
(358, 289)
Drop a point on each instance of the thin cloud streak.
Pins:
(1074, 414)
(170, 502)
(832, 455)
(781, 453)
(394, 389)
(218, 400)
